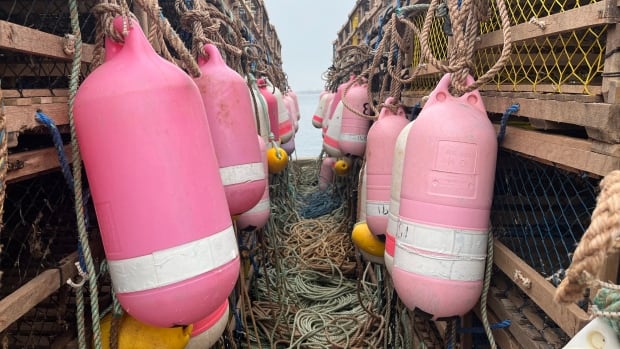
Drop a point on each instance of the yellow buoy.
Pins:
(137, 335)
(342, 166)
(369, 245)
(277, 159)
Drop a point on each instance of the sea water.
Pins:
(308, 140)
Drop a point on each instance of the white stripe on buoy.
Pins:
(175, 264)
(242, 173)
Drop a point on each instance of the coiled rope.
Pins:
(307, 296)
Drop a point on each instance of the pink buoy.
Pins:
(354, 128)
(326, 173)
(326, 115)
(334, 102)
(445, 204)
(261, 111)
(331, 143)
(293, 95)
(285, 128)
(155, 182)
(394, 208)
(292, 110)
(379, 163)
(258, 215)
(206, 332)
(317, 118)
(338, 95)
(228, 104)
(272, 108)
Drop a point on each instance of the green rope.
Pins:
(81, 328)
(485, 292)
(607, 305)
(79, 201)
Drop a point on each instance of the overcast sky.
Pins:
(307, 29)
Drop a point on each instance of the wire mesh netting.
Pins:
(438, 44)
(550, 63)
(573, 58)
(540, 212)
(25, 71)
(39, 232)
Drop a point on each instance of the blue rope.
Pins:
(504, 121)
(319, 203)
(64, 166)
(495, 326)
(58, 145)
(379, 32)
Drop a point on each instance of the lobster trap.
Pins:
(561, 84)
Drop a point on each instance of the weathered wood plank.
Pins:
(596, 115)
(568, 152)
(19, 118)
(32, 163)
(519, 326)
(18, 303)
(502, 336)
(35, 93)
(612, 59)
(574, 19)
(18, 38)
(570, 318)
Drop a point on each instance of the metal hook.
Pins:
(81, 273)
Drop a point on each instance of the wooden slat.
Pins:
(519, 325)
(19, 118)
(533, 316)
(18, 303)
(567, 152)
(570, 318)
(597, 116)
(612, 60)
(502, 336)
(18, 38)
(594, 91)
(35, 93)
(570, 20)
(34, 162)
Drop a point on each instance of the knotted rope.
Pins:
(465, 16)
(206, 23)
(161, 28)
(601, 238)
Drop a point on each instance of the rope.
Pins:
(153, 11)
(485, 292)
(601, 237)
(206, 21)
(4, 159)
(466, 15)
(117, 319)
(306, 296)
(78, 198)
(105, 11)
(66, 171)
(606, 304)
(504, 121)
